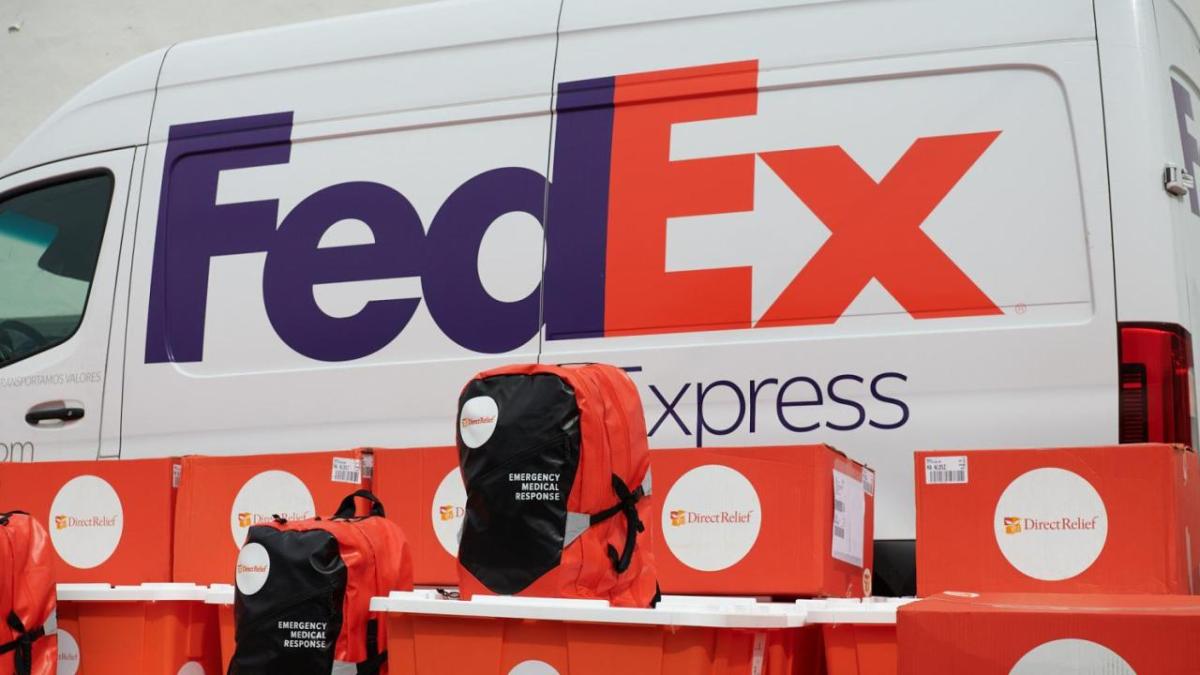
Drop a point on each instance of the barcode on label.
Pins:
(945, 470)
(848, 518)
(347, 470)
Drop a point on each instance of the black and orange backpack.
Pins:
(304, 587)
(28, 643)
(557, 472)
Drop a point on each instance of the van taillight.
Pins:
(1156, 384)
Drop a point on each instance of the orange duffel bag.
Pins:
(557, 472)
(303, 592)
(28, 644)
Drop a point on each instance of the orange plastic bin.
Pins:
(152, 629)
(495, 635)
(859, 635)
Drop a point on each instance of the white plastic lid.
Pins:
(865, 611)
(219, 594)
(714, 612)
(143, 593)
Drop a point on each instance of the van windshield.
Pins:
(49, 242)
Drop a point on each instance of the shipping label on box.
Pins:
(1040, 634)
(1107, 519)
(109, 521)
(783, 521)
(221, 498)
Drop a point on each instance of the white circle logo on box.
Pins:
(266, 495)
(477, 420)
(191, 668)
(449, 505)
(1071, 657)
(86, 521)
(1051, 524)
(68, 653)
(711, 518)
(533, 668)
(253, 568)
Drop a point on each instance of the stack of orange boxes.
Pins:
(1084, 559)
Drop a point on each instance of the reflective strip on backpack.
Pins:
(577, 524)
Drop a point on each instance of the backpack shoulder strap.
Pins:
(4, 517)
(627, 504)
(23, 644)
(375, 658)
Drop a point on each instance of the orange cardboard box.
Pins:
(109, 521)
(1040, 634)
(779, 521)
(221, 497)
(1117, 519)
(422, 492)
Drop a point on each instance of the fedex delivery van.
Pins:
(883, 225)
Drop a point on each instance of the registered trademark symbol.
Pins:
(1021, 308)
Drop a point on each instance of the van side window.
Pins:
(49, 242)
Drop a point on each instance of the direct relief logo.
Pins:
(1014, 525)
(1062, 527)
(266, 495)
(449, 506)
(680, 517)
(88, 522)
(1071, 656)
(711, 518)
(253, 568)
(477, 420)
(68, 653)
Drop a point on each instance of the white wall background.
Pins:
(50, 49)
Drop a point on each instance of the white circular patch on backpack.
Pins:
(1071, 657)
(253, 568)
(266, 495)
(86, 522)
(533, 668)
(191, 668)
(1051, 524)
(711, 518)
(448, 508)
(477, 420)
(68, 653)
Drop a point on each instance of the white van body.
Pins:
(882, 225)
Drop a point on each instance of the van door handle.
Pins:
(36, 417)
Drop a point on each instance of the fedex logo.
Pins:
(604, 214)
(1186, 116)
